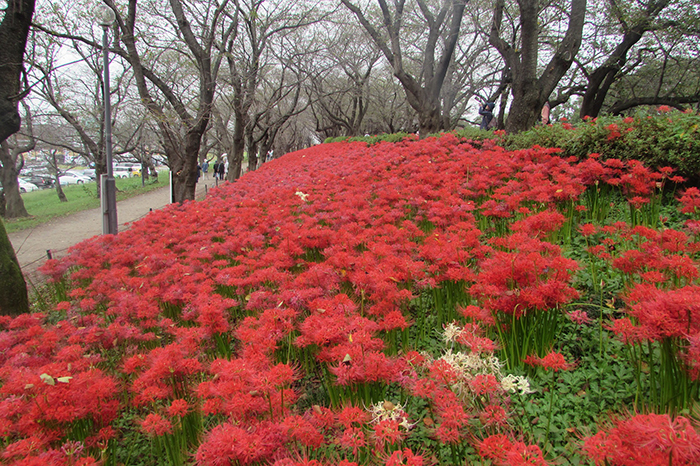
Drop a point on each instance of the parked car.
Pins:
(90, 173)
(73, 178)
(40, 180)
(87, 173)
(126, 170)
(25, 186)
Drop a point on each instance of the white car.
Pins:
(25, 186)
(87, 173)
(73, 178)
(126, 170)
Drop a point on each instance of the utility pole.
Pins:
(108, 188)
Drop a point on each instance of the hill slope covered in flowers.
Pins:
(422, 302)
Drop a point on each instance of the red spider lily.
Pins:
(478, 315)
(664, 313)
(245, 389)
(156, 425)
(495, 447)
(227, 443)
(303, 431)
(47, 405)
(588, 229)
(166, 374)
(178, 408)
(472, 337)
(579, 317)
(552, 360)
(323, 417)
(325, 248)
(534, 276)
(692, 356)
(353, 438)
(653, 439)
(521, 454)
(350, 415)
(404, 457)
(503, 452)
(613, 132)
(388, 431)
(485, 384)
(690, 200)
(372, 366)
(538, 224)
(493, 416)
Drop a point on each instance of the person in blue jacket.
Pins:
(486, 111)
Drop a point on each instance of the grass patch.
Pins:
(44, 205)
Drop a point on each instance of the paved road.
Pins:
(59, 234)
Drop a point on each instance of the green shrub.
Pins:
(659, 139)
(371, 140)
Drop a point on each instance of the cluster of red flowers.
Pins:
(660, 272)
(649, 439)
(503, 452)
(552, 360)
(203, 307)
(50, 384)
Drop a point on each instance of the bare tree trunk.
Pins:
(235, 156)
(252, 153)
(423, 93)
(13, 39)
(14, 205)
(182, 151)
(603, 77)
(530, 92)
(185, 168)
(53, 166)
(14, 299)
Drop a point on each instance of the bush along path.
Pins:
(418, 302)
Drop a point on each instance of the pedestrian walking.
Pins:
(215, 168)
(205, 167)
(222, 171)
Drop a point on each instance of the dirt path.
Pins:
(32, 246)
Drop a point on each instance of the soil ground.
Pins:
(33, 246)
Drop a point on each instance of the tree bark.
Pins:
(56, 176)
(600, 80)
(182, 150)
(14, 299)
(14, 205)
(676, 102)
(13, 37)
(530, 92)
(423, 95)
(13, 40)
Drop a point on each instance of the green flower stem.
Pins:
(551, 403)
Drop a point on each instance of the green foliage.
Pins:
(598, 385)
(371, 140)
(659, 139)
